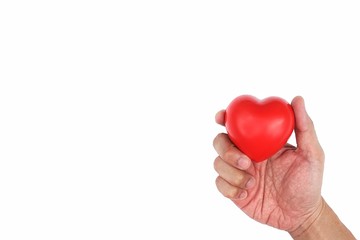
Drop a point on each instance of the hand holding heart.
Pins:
(285, 190)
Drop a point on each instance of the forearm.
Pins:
(326, 225)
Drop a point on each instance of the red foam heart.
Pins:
(259, 128)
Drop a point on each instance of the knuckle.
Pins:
(218, 138)
(315, 154)
(311, 122)
(217, 162)
(231, 193)
(217, 181)
(320, 154)
(230, 155)
(238, 180)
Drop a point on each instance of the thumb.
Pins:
(306, 138)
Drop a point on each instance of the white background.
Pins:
(107, 110)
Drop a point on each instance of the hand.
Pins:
(284, 191)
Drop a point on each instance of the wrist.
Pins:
(323, 225)
(307, 224)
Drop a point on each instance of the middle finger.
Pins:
(232, 175)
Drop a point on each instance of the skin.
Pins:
(283, 192)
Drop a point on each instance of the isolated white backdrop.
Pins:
(107, 110)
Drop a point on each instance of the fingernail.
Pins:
(250, 183)
(243, 195)
(243, 163)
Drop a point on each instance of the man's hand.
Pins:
(284, 191)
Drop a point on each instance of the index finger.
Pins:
(220, 117)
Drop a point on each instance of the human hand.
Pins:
(284, 191)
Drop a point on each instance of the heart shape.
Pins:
(259, 128)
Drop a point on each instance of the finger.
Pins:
(229, 153)
(305, 133)
(232, 175)
(220, 117)
(229, 190)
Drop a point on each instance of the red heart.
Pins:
(259, 128)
